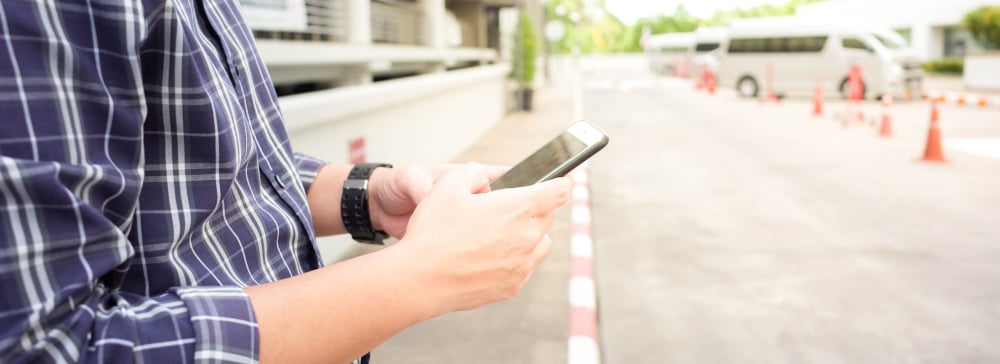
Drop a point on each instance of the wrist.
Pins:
(428, 297)
(376, 189)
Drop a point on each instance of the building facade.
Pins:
(933, 28)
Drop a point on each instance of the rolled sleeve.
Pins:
(223, 322)
(308, 167)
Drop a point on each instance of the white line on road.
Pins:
(986, 147)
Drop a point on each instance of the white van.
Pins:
(804, 52)
(669, 50)
(706, 49)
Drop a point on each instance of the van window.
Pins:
(854, 43)
(777, 45)
(705, 47)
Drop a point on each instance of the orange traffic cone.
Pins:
(818, 101)
(933, 151)
(711, 82)
(886, 130)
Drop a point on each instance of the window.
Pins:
(705, 47)
(854, 43)
(777, 45)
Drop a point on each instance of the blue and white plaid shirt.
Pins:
(145, 179)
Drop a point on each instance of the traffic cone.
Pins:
(886, 130)
(933, 152)
(818, 101)
(711, 82)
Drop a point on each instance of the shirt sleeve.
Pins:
(308, 167)
(71, 157)
(57, 295)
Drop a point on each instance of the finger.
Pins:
(496, 171)
(544, 197)
(469, 178)
(416, 184)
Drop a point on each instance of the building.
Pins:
(933, 28)
(400, 81)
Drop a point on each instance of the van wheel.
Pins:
(843, 89)
(747, 87)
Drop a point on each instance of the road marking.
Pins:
(581, 246)
(580, 214)
(581, 292)
(985, 147)
(583, 350)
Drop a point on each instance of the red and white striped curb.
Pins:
(963, 99)
(583, 343)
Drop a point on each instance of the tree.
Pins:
(984, 24)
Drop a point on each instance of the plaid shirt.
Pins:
(145, 179)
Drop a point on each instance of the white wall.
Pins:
(429, 118)
(982, 71)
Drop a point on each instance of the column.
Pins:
(433, 27)
(359, 34)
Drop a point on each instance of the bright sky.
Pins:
(631, 10)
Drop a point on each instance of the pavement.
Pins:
(730, 231)
(532, 327)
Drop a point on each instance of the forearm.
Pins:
(338, 313)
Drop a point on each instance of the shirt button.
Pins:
(236, 65)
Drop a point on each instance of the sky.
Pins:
(631, 10)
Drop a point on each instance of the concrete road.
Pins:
(733, 232)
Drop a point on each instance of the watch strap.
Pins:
(354, 209)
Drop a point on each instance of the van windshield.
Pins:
(888, 42)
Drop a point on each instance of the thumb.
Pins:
(542, 197)
(469, 178)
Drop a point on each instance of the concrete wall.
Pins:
(425, 119)
(429, 118)
(982, 71)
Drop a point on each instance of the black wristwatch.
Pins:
(354, 210)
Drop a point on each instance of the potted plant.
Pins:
(525, 51)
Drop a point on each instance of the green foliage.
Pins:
(525, 51)
(682, 21)
(984, 24)
(588, 27)
(948, 66)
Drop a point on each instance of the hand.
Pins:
(394, 193)
(472, 249)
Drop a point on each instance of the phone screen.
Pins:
(538, 165)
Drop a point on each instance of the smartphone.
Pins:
(557, 158)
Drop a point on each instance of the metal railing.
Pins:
(392, 22)
(326, 20)
(397, 22)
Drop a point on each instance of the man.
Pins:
(151, 208)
